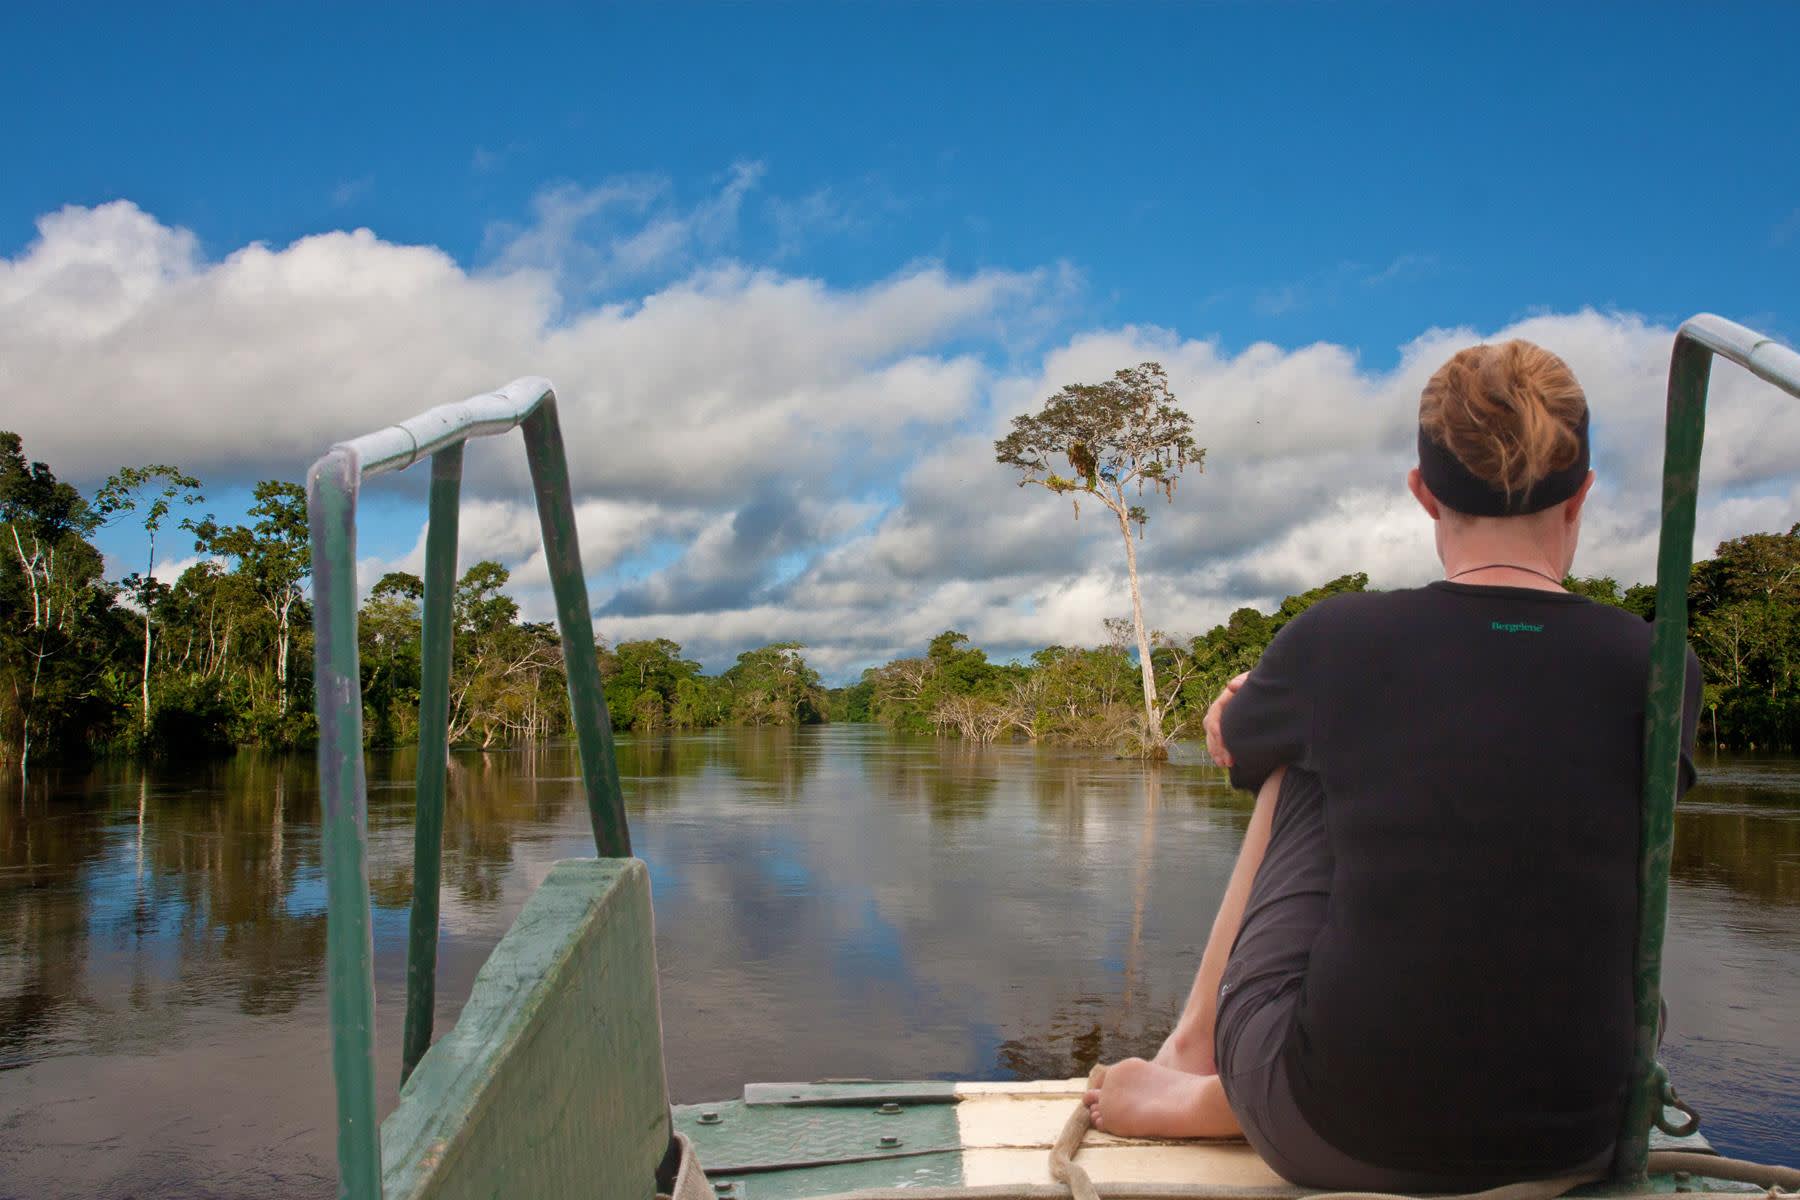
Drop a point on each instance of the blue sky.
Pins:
(1249, 170)
(1348, 176)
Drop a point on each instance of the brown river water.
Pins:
(830, 902)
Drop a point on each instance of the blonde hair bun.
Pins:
(1508, 412)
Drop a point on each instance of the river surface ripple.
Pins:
(830, 902)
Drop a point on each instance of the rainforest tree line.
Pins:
(222, 656)
(1744, 624)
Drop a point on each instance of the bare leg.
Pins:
(1179, 1095)
(1190, 1047)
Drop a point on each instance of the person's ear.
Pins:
(1572, 506)
(1415, 483)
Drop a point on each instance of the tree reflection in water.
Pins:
(1094, 1028)
(1739, 832)
(832, 901)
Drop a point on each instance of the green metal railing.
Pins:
(333, 485)
(1696, 344)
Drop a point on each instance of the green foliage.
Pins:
(1640, 598)
(189, 717)
(228, 661)
(222, 657)
(1078, 695)
(1293, 606)
(273, 557)
(1602, 588)
(388, 633)
(150, 493)
(1082, 696)
(854, 704)
(1124, 433)
(644, 688)
(701, 702)
(58, 626)
(506, 677)
(1744, 622)
(952, 686)
(773, 685)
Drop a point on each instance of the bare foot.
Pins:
(1141, 1099)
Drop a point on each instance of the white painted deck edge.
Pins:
(1007, 1129)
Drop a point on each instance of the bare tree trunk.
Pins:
(149, 585)
(37, 674)
(1152, 702)
(281, 699)
(30, 565)
(145, 724)
(225, 650)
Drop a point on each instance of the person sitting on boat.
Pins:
(1420, 976)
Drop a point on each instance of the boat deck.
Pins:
(788, 1141)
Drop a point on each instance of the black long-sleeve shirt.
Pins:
(1467, 1005)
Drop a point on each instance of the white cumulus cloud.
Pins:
(761, 455)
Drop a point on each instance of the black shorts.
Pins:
(1259, 997)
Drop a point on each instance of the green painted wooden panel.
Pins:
(747, 1137)
(551, 1084)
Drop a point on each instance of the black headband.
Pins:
(1458, 488)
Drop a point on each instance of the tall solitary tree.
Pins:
(152, 493)
(1117, 438)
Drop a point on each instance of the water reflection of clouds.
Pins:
(829, 902)
(306, 895)
(989, 913)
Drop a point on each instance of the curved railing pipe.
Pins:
(333, 486)
(1696, 344)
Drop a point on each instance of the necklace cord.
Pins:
(1509, 567)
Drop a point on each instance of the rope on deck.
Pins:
(1074, 1183)
(1064, 1169)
